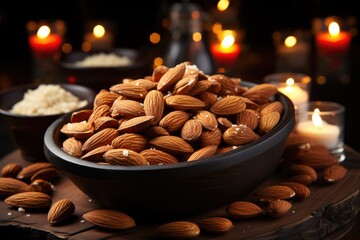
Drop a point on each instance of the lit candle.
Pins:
(292, 55)
(227, 51)
(296, 94)
(45, 43)
(333, 41)
(319, 131)
(99, 38)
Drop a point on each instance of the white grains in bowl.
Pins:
(47, 99)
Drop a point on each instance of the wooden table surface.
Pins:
(330, 212)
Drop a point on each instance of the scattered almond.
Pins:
(31, 200)
(244, 209)
(335, 173)
(278, 208)
(215, 225)
(178, 230)
(109, 219)
(60, 210)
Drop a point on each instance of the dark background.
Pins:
(137, 19)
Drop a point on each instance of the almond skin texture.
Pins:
(172, 144)
(244, 209)
(301, 190)
(28, 171)
(60, 210)
(10, 186)
(278, 208)
(157, 157)
(31, 200)
(110, 219)
(124, 157)
(215, 225)
(228, 106)
(334, 173)
(171, 77)
(274, 192)
(10, 170)
(178, 230)
(191, 130)
(239, 135)
(301, 169)
(154, 105)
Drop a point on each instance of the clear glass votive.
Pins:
(296, 86)
(322, 122)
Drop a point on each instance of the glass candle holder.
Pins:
(292, 50)
(333, 37)
(322, 123)
(296, 86)
(45, 41)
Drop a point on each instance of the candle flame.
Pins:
(290, 41)
(227, 41)
(43, 32)
(223, 5)
(289, 84)
(316, 118)
(99, 31)
(334, 29)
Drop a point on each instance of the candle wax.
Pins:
(296, 57)
(295, 93)
(100, 43)
(45, 47)
(327, 134)
(225, 56)
(333, 44)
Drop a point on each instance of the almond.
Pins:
(208, 98)
(10, 186)
(244, 209)
(208, 138)
(32, 200)
(199, 87)
(46, 174)
(136, 124)
(155, 131)
(224, 123)
(302, 178)
(215, 225)
(104, 137)
(334, 173)
(301, 190)
(316, 160)
(72, 146)
(11, 170)
(105, 97)
(130, 91)
(132, 141)
(158, 72)
(239, 135)
(260, 92)
(145, 83)
(124, 157)
(268, 121)
(105, 122)
(174, 120)
(27, 172)
(109, 219)
(100, 111)
(203, 153)
(158, 157)
(172, 144)
(278, 208)
(171, 77)
(178, 230)
(60, 210)
(207, 119)
(127, 108)
(228, 87)
(275, 106)
(274, 192)
(154, 105)
(184, 102)
(183, 86)
(228, 106)
(78, 130)
(96, 155)
(191, 130)
(301, 169)
(40, 185)
(248, 117)
(80, 116)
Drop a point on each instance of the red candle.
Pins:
(226, 52)
(44, 43)
(334, 41)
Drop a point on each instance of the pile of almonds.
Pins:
(176, 114)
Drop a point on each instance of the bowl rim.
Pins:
(25, 87)
(287, 121)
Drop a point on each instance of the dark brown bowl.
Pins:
(180, 189)
(104, 76)
(28, 131)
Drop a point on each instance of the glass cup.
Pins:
(322, 123)
(296, 86)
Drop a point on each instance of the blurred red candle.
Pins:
(45, 43)
(334, 41)
(226, 52)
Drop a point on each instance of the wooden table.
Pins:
(330, 212)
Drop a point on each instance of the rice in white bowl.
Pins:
(47, 99)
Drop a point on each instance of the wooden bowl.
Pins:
(179, 189)
(28, 131)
